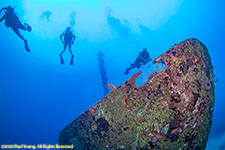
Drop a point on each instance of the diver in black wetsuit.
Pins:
(67, 39)
(142, 59)
(12, 21)
(103, 72)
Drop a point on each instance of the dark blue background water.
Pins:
(39, 97)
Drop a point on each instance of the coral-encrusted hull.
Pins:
(172, 110)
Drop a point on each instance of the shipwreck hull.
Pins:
(172, 110)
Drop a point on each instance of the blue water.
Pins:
(39, 97)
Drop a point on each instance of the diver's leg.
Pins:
(64, 49)
(128, 69)
(16, 30)
(61, 60)
(70, 50)
(136, 64)
(21, 26)
(28, 28)
(18, 24)
(71, 60)
(60, 55)
(26, 46)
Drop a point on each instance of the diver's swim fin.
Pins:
(71, 60)
(28, 27)
(127, 71)
(26, 46)
(61, 59)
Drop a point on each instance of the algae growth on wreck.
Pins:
(172, 110)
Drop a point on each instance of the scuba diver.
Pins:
(12, 21)
(103, 72)
(67, 39)
(142, 59)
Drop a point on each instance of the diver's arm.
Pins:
(73, 39)
(3, 17)
(4, 8)
(61, 37)
(148, 57)
(143, 61)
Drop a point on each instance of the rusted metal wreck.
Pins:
(172, 110)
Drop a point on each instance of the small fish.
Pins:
(125, 100)
(173, 131)
(169, 63)
(199, 60)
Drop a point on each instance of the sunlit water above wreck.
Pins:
(39, 96)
